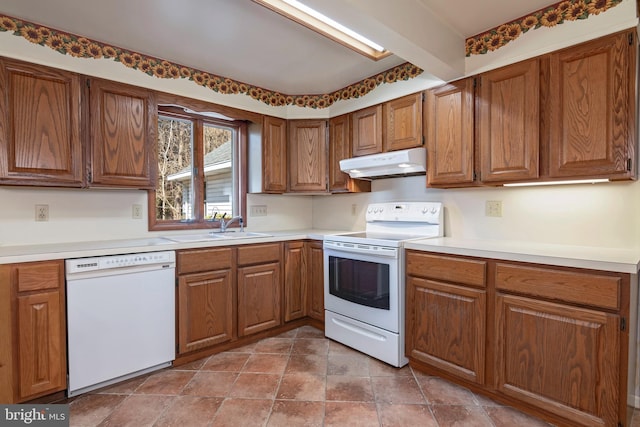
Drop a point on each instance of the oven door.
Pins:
(363, 284)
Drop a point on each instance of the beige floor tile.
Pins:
(286, 413)
(190, 411)
(352, 414)
(255, 386)
(138, 411)
(302, 386)
(349, 388)
(243, 412)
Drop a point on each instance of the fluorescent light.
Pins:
(573, 181)
(334, 24)
(326, 26)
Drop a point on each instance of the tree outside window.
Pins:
(199, 169)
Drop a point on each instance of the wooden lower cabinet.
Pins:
(33, 360)
(560, 358)
(258, 298)
(295, 281)
(548, 340)
(447, 324)
(205, 307)
(205, 299)
(315, 281)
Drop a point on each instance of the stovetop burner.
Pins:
(392, 223)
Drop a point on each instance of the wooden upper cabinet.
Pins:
(403, 122)
(39, 125)
(307, 155)
(123, 121)
(274, 155)
(509, 122)
(449, 130)
(339, 149)
(366, 131)
(591, 109)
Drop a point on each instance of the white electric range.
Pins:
(364, 277)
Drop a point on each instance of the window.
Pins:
(200, 169)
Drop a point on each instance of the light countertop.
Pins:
(28, 253)
(597, 258)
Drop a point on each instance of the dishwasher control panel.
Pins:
(80, 265)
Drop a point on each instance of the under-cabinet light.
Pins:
(326, 26)
(573, 181)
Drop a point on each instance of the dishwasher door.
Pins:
(120, 323)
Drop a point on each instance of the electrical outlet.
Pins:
(136, 211)
(42, 212)
(258, 210)
(354, 209)
(493, 208)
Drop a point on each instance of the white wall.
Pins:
(604, 215)
(600, 215)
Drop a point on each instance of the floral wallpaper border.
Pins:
(82, 47)
(550, 16)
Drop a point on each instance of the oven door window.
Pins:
(361, 282)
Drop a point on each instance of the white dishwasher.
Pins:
(120, 317)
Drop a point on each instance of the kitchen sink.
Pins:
(239, 234)
(215, 235)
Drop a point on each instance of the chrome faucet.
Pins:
(224, 224)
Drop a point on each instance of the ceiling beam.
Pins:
(405, 27)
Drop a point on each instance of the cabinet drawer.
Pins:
(38, 275)
(580, 288)
(257, 254)
(450, 269)
(193, 261)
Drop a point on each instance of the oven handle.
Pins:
(358, 248)
(358, 330)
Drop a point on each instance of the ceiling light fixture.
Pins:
(326, 26)
(575, 181)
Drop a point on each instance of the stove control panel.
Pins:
(431, 212)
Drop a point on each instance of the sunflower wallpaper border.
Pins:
(550, 16)
(83, 47)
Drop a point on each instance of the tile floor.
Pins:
(298, 378)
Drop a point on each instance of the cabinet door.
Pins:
(562, 359)
(41, 344)
(315, 282)
(449, 123)
(509, 122)
(123, 134)
(590, 108)
(307, 155)
(295, 281)
(339, 149)
(274, 155)
(366, 131)
(258, 298)
(39, 125)
(403, 123)
(205, 310)
(445, 327)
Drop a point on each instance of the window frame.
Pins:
(197, 115)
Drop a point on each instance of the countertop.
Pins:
(597, 258)
(28, 253)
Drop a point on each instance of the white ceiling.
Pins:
(244, 41)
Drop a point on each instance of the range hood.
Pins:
(386, 165)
